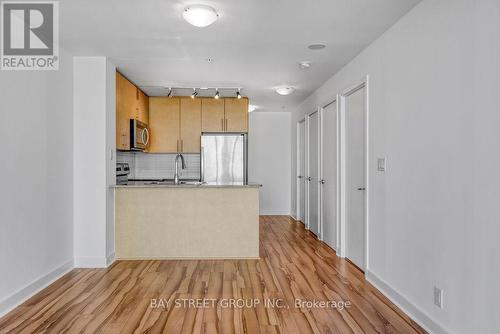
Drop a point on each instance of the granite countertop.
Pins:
(185, 184)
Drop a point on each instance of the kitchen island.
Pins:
(186, 221)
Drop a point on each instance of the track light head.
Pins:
(238, 95)
(195, 93)
(217, 95)
(169, 92)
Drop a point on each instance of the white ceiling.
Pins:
(255, 44)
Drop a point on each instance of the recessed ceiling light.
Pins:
(251, 108)
(316, 46)
(305, 64)
(285, 90)
(200, 15)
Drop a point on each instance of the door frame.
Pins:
(308, 167)
(335, 101)
(341, 236)
(297, 193)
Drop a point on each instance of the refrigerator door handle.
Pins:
(202, 166)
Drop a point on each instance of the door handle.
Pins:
(322, 181)
(361, 188)
(309, 178)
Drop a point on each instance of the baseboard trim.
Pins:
(91, 262)
(110, 259)
(189, 258)
(22, 295)
(405, 305)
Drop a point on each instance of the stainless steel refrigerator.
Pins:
(224, 158)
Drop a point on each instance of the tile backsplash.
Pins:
(158, 166)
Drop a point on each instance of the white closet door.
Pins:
(355, 176)
(313, 171)
(301, 205)
(329, 175)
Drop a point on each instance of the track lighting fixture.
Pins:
(169, 92)
(216, 94)
(195, 93)
(238, 95)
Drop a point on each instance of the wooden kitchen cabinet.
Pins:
(212, 115)
(190, 125)
(164, 121)
(126, 105)
(236, 115)
(131, 103)
(142, 113)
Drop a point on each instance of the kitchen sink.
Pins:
(171, 182)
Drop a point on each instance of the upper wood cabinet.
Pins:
(142, 113)
(131, 103)
(125, 110)
(190, 125)
(236, 114)
(164, 120)
(212, 115)
(224, 115)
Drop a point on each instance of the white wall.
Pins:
(269, 160)
(93, 161)
(434, 114)
(36, 229)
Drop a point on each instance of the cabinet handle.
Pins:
(225, 125)
(182, 145)
(177, 146)
(222, 123)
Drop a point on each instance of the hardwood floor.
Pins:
(293, 265)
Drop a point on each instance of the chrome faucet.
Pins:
(176, 176)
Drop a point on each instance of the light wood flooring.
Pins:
(293, 265)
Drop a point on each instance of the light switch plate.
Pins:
(438, 297)
(381, 164)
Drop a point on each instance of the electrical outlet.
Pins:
(438, 297)
(381, 164)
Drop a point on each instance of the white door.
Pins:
(313, 173)
(301, 171)
(329, 174)
(355, 114)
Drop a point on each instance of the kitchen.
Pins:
(301, 165)
(182, 166)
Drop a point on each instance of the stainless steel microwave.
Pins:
(139, 135)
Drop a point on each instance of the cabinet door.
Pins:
(190, 125)
(212, 115)
(125, 110)
(164, 118)
(236, 112)
(142, 107)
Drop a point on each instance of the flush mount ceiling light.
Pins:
(200, 15)
(305, 64)
(251, 108)
(316, 46)
(285, 90)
